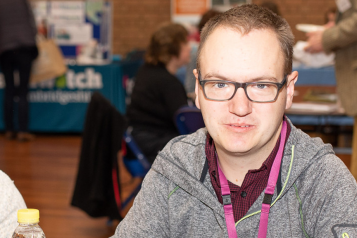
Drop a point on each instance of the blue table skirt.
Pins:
(320, 76)
(321, 120)
(59, 105)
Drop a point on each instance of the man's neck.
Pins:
(235, 167)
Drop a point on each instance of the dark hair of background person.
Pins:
(166, 43)
(331, 11)
(205, 17)
(272, 6)
(252, 17)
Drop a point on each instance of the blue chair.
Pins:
(135, 162)
(188, 120)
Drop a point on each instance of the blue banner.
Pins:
(59, 105)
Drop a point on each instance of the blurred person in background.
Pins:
(272, 6)
(17, 52)
(190, 80)
(341, 38)
(157, 93)
(330, 17)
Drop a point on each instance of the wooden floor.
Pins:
(44, 171)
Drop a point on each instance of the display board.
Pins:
(78, 27)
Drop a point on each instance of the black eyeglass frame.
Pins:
(240, 85)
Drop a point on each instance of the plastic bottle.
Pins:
(28, 227)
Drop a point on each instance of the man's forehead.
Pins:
(224, 35)
(228, 49)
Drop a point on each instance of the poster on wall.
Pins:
(188, 11)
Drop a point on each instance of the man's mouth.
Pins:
(240, 126)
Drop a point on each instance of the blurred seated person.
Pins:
(330, 17)
(157, 93)
(272, 6)
(190, 80)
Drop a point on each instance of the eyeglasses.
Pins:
(223, 90)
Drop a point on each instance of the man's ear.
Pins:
(197, 102)
(290, 87)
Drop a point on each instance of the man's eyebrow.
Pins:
(256, 79)
(215, 76)
(264, 78)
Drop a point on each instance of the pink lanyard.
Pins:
(269, 192)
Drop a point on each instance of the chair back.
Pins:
(188, 120)
(134, 160)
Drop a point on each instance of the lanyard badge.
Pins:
(268, 196)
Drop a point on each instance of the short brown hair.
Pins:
(252, 17)
(165, 43)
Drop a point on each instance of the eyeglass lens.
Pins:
(261, 92)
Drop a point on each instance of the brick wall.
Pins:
(135, 20)
(302, 11)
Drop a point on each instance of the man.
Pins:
(341, 38)
(244, 84)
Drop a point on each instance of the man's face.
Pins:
(239, 126)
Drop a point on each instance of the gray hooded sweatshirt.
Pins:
(318, 195)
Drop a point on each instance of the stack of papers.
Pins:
(313, 108)
(314, 95)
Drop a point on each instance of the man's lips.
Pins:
(238, 124)
(240, 127)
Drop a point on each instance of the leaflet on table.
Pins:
(320, 95)
(314, 107)
(79, 34)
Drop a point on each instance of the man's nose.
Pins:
(240, 105)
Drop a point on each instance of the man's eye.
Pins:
(261, 86)
(220, 85)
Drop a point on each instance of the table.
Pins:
(330, 121)
(326, 77)
(59, 105)
(333, 115)
(317, 78)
